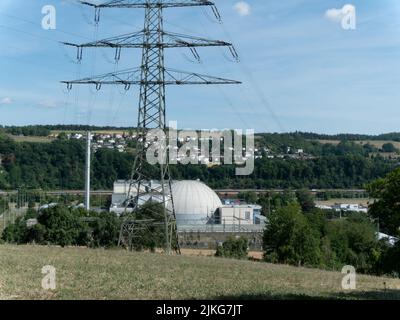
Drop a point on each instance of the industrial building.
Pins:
(195, 203)
(239, 214)
(198, 208)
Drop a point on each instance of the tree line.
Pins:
(70, 226)
(60, 165)
(39, 130)
(46, 130)
(392, 136)
(299, 234)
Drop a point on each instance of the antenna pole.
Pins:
(87, 170)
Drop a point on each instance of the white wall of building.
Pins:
(243, 215)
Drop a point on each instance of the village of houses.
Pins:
(121, 142)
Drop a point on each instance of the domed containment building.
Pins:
(197, 207)
(195, 203)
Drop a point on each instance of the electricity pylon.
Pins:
(152, 77)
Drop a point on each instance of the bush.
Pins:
(290, 238)
(385, 207)
(353, 242)
(105, 230)
(390, 261)
(311, 239)
(36, 234)
(389, 147)
(15, 233)
(233, 248)
(31, 214)
(64, 226)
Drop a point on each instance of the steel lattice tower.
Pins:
(152, 77)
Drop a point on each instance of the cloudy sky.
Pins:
(300, 69)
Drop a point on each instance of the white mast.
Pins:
(87, 170)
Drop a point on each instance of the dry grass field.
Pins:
(56, 132)
(116, 274)
(330, 202)
(375, 143)
(256, 255)
(379, 143)
(31, 139)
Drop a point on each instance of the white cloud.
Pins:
(6, 101)
(242, 8)
(337, 15)
(334, 15)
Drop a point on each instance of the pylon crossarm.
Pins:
(182, 77)
(133, 77)
(159, 199)
(131, 40)
(151, 3)
(135, 40)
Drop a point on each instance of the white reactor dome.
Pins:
(194, 202)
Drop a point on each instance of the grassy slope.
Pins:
(31, 139)
(375, 143)
(115, 274)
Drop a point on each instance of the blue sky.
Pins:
(300, 70)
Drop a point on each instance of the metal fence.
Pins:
(220, 228)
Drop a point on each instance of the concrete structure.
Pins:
(345, 207)
(195, 203)
(198, 207)
(389, 239)
(237, 214)
(120, 194)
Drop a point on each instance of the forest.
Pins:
(60, 165)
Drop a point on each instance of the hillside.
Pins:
(60, 165)
(115, 274)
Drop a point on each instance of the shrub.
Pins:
(390, 261)
(37, 234)
(354, 242)
(290, 238)
(16, 233)
(105, 230)
(233, 248)
(385, 207)
(64, 226)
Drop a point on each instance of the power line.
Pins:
(39, 25)
(245, 70)
(255, 85)
(221, 91)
